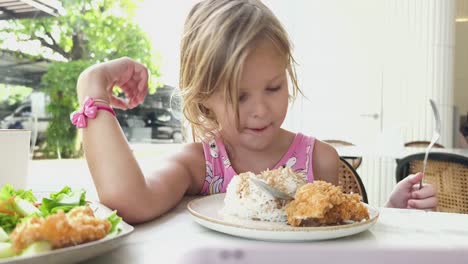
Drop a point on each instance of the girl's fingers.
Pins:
(124, 74)
(144, 80)
(130, 86)
(141, 86)
(407, 184)
(129, 92)
(141, 97)
(133, 80)
(118, 103)
(132, 100)
(132, 96)
(427, 191)
(428, 203)
(143, 91)
(412, 180)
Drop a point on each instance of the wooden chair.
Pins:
(447, 172)
(422, 144)
(355, 162)
(350, 181)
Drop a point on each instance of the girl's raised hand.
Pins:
(408, 195)
(99, 80)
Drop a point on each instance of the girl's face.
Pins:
(263, 100)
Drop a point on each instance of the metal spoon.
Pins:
(271, 190)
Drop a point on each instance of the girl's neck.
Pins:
(244, 159)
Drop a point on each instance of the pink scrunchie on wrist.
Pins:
(78, 118)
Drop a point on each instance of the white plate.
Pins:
(205, 211)
(81, 252)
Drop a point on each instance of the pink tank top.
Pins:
(219, 171)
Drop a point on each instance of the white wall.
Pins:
(337, 49)
(419, 66)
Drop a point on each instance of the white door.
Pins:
(337, 46)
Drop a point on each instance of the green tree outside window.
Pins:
(89, 32)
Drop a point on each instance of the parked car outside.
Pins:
(151, 123)
(164, 124)
(30, 114)
(22, 118)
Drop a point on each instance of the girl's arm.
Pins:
(407, 194)
(117, 176)
(325, 162)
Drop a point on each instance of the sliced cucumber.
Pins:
(36, 248)
(3, 235)
(24, 207)
(6, 250)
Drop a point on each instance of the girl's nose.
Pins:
(260, 109)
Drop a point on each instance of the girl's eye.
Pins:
(273, 89)
(242, 97)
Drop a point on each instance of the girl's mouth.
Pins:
(259, 129)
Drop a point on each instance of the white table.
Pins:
(171, 238)
(175, 236)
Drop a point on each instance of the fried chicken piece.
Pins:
(321, 203)
(26, 233)
(61, 230)
(350, 209)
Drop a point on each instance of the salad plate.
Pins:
(81, 252)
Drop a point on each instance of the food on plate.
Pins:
(60, 229)
(246, 200)
(314, 204)
(63, 219)
(322, 203)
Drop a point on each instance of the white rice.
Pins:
(246, 200)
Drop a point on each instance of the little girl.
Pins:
(236, 63)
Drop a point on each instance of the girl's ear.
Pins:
(207, 103)
(205, 107)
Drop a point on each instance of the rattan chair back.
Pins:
(448, 173)
(350, 181)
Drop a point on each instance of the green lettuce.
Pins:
(7, 191)
(114, 219)
(64, 200)
(8, 222)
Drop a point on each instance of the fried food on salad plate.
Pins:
(61, 229)
(322, 203)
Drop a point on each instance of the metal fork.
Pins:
(435, 137)
(271, 190)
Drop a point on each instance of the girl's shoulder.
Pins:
(325, 162)
(323, 152)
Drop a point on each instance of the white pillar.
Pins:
(418, 66)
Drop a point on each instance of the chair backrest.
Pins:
(447, 172)
(355, 162)
(350, 181)
(422, 144)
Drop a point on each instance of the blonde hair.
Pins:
(218, 35)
